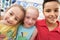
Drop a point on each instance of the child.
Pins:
(28, 31)
(8, 25)
(49, 28)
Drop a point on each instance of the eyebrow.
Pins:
(56, 8)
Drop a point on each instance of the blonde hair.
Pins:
(15, 5)
(32, 7)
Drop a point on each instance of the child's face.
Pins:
(51, 11)
(13, 16)
(30, 18)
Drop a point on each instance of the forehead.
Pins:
(32, 13)
(15, 9)
(51, 5)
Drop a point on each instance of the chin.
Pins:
(52, 21)
(28, 26)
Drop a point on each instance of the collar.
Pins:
(43, 24)
(58, 27)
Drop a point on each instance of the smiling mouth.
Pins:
(9, 22)
(53, 18)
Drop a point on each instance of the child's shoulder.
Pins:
(20, 26)
(40, 21)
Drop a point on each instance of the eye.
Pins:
(11, 13)
(27, 17)
(48, 10)
(16, 18)
(56, 10)
(34, 18)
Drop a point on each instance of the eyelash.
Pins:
(29, 17)
(11, 14)
(16, 19)
(56, 10)
(48, 10)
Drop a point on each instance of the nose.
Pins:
(30, 21)
(52, 13)
(11, 18)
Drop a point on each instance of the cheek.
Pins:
(26, 19)
(6, 17)
(34, 22)
(46, 15)
(57, 15)
(15, 22)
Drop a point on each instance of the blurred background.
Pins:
(4, 4)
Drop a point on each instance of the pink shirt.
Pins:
(45, 34)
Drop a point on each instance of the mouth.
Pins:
(30, 24)
(9, 22)
(53, 18)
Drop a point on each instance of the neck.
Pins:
(25, 26)
(51, 26)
